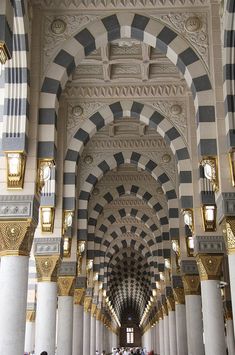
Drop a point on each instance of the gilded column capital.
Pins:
(79, 294)
(191, 284)
(230, 234)
(179, 295)
(160, 314)
(30, 315)
(47, 267)
(98, 313)
(209, 266)
(87, 303)
(93, 309)
(66, 285)
(16, 237)
(170, 303)
(164, 309)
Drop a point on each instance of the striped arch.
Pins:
(148, 231)
(127, 265)
(127, 25)
(144, 195)
(16, 102)
(106, 165)
(229, 65)
(145, 114)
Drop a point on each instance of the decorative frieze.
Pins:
(230, 234)
(47, 246)
(19, 206)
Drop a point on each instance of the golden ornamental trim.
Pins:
(47, 267)
(16, 237)
(79, 294)
(93, 309)
(87, 303)
(179, 295)
(191, 284)
(66, 285)
(170, 303)
(209, 266)
(30, 315)
(164, 309)
(160, 314)
(230, 234)
(98, 313)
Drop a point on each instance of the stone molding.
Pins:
(212, 244)
(191, 284)
(47, 246)
(124, 91)
(16, 237)
(67, 268)
(65, 285)
(47, 267)
(209, 266)
(116, 4)
(188, 267)
(225, 205)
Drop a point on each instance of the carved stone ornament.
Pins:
(209, 266)
(229, 234)
(79, 294)
(87, 303)
(164, 309)
(160, 314)
(193, 24)
(16, 237)
(179, 295)
(46, 267)
(170, 303)
(65, 285)
(93, 309)
(30, 315)
(191, 284)
(58, 26)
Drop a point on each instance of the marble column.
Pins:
(157, 345)
(45, 325)
(161, 332)
(213, 320)
(230, 334)
(98, 326)
(166, 330)
(172, 325)
(65, 315)
(30, 332)
(87, 325)
(93, 329)
(78, 321)
(193, 314)
(101, 334)
(180, 317)
(15, 245)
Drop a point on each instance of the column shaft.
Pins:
(86, 332)
(230, 337)
(161, 336)
(29, 337)
(77, 329)
(93, 336)
(213, 320)
(46, 318)
(231, 262)
(172, 333)
(181, 332)
(157, 338)
(194, 325)
(166, 335)
(97, 337)
(65, 325)
(13, 302)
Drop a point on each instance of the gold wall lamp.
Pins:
(15, 169)
(47, 219)
(209, 217)
(210, 167)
